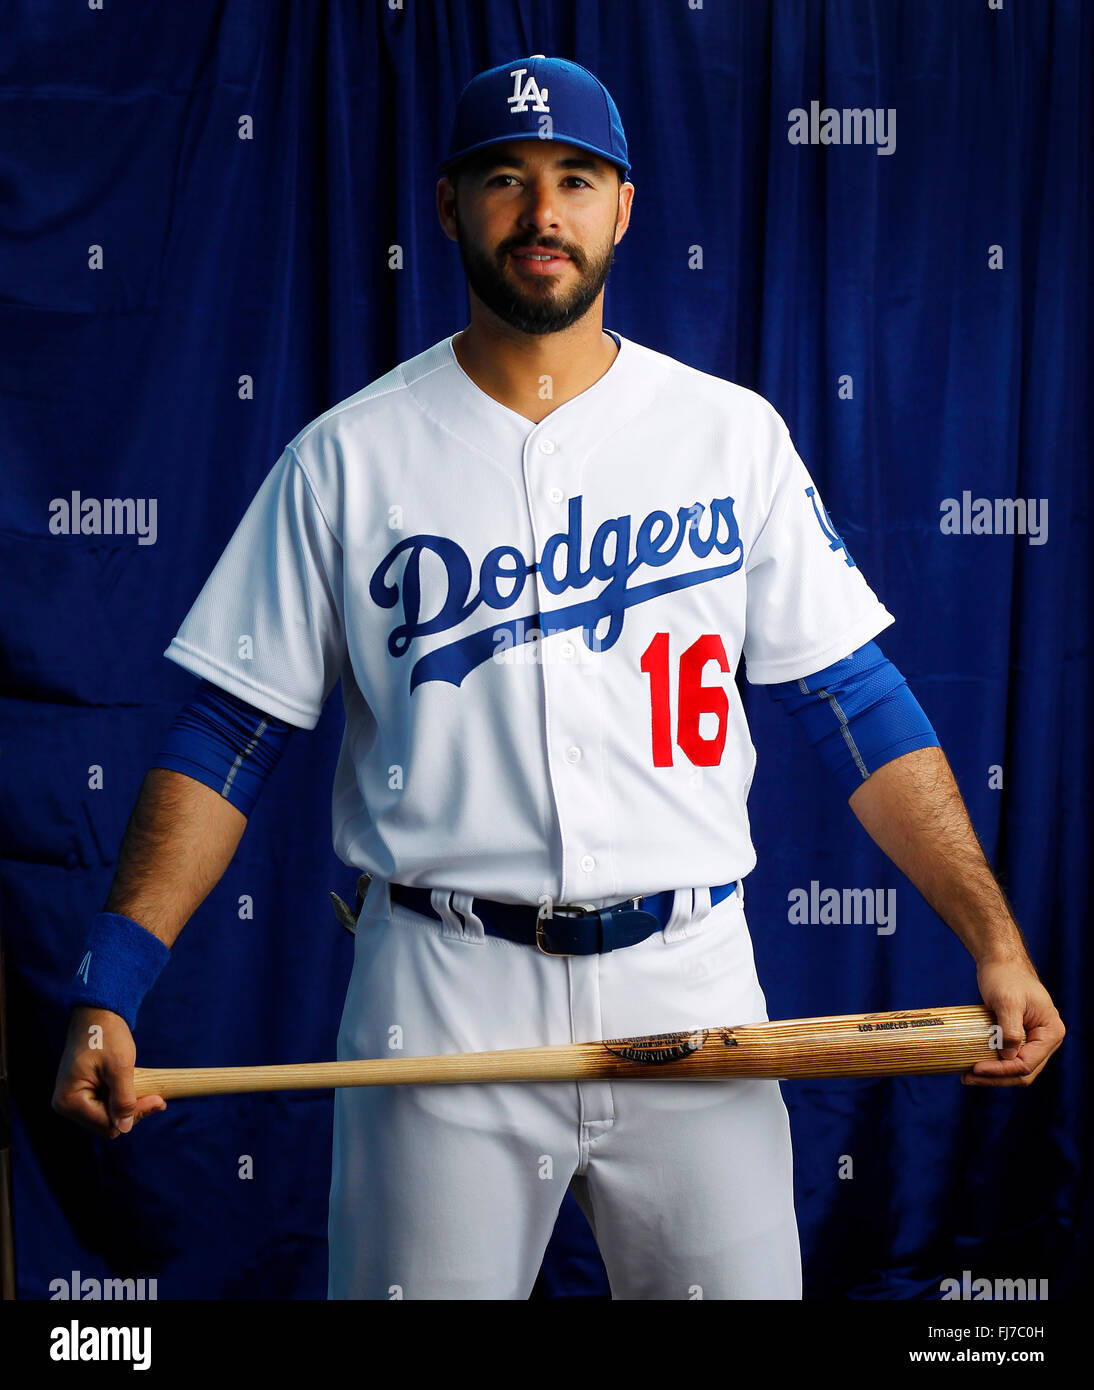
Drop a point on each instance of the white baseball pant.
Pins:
(451, 1191)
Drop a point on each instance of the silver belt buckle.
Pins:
(548, 910)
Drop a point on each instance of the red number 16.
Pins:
(694, 699)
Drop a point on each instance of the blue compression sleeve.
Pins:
(857, 713)
(225, 743)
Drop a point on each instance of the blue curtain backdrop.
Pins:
(921, 318)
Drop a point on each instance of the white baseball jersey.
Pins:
(536, 627)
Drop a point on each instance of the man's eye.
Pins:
(571, 178)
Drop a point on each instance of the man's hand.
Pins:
(1031, 1026)
(94, 1084)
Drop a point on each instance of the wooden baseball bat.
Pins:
(947, 1039)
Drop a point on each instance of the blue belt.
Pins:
(569, 931)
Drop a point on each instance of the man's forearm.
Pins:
(180, 839)
(913, 810)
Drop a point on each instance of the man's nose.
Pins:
(538, 206)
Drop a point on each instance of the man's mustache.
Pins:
(507, 247)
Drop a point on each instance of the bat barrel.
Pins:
(906, 1042)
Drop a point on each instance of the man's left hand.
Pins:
(1031, 1025)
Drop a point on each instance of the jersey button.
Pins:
(567, 651)
(588, 863)
(573, 755)
(546, 446)
(556, 494)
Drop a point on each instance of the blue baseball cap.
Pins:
(537, 98)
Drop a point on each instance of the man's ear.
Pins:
(623, 218)
(446, 206)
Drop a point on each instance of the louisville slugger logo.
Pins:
(614, 557)
(659, 1048)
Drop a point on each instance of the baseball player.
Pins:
(535, 557)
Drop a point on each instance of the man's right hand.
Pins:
(94, 1084)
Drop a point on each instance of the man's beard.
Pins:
(535, 309)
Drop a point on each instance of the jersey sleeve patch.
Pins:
(807, 601)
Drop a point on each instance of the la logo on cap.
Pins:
(531, 92)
